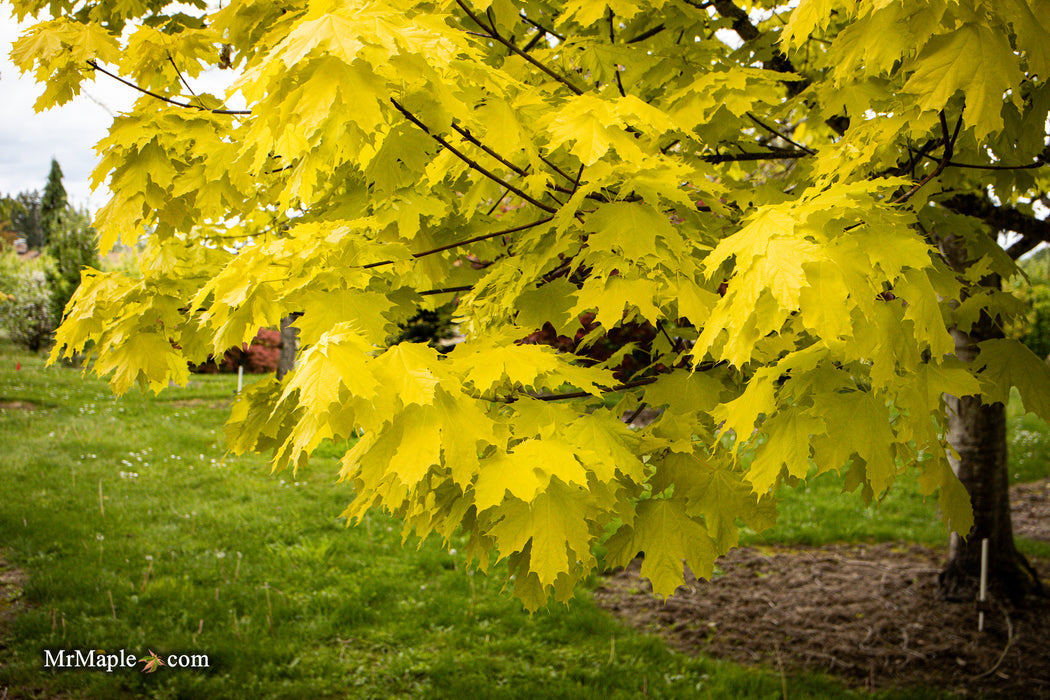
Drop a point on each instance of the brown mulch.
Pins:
(1030, 510)
(870, 614)
(18, 406)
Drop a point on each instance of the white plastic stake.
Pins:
(240, 377)
(984, 582)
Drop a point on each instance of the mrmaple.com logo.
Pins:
(122, 658)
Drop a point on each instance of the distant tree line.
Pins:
(33, 297)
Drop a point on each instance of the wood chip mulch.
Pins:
(870, 614)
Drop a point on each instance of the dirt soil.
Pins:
(17, 406)
(869, 614)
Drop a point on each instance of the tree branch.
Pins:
(446, 290)
(739, 157)
(776, 133)
(949, 148)
(162, 98)
(542, 28)
(465, 133)
(491, 31)
(184, 81)
(648, 34)
(581, 394)
(473, 164)
(1002, 218)
(450, 246)
(748, 32)
(612, 40)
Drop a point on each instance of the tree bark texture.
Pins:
(289, 346)
(977, 433)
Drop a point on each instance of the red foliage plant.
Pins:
(259, 357)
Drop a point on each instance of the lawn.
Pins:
(138, 532)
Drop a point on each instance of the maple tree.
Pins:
(774, 226)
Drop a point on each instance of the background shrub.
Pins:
(259, 357)
(26, 311)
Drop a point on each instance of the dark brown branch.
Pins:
(465, 133)
(184, 81)
(472, 163)
(491, 31)
(1039, 163)
(648, 34)
(748, 32)
(536, 38)
(558, 170)
(470, 137)
(447, 290)
(1003, 218)
(500, 200)
(612, 40)
(581, 394)
(637, 412)
(546, 30)
(450, 246)
(949, 147)
(776, 133)
(775, 154)
(162, 98)
(973, 166)
(662, 329)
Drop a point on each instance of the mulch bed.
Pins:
(869, 614)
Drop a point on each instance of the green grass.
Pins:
(140, 533)
(817, 512)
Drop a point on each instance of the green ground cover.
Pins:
(138, 532)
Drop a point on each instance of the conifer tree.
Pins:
(53, 205)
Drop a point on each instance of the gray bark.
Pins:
(289, 346)
(977, 432)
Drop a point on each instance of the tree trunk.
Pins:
(289, 346)
(977, 432)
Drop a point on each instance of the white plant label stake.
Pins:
(984, 582)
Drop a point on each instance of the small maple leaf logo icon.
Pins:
(152, 662)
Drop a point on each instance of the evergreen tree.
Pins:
(54, 203)
(73, 245)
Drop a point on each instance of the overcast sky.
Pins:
(28, 141)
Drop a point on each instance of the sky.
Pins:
(28, 141)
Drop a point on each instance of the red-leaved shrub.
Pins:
(260, 357)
